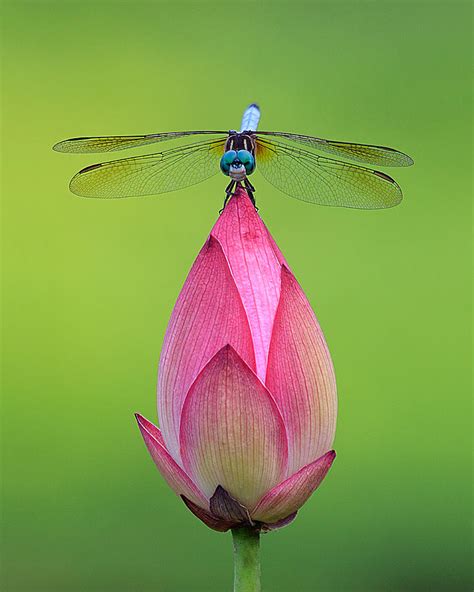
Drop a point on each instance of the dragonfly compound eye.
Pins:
(247, 160)
(227, 160)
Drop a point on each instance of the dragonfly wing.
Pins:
(367, 153)
(150, 174)
(111, 143)
(324, 181)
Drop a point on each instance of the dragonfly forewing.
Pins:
(366, 153)
(112, 143)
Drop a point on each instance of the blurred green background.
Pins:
(89, 286)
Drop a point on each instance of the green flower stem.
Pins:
(246, 559)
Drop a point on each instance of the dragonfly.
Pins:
(289, 161)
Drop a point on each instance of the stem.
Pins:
(246, 559)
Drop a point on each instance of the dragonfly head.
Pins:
(237, 164)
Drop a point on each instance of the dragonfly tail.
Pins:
(251, 118)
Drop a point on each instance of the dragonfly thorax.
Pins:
(238, 160)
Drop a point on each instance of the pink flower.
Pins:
(246, 390)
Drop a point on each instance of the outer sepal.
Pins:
(208, 518)
(289, 495)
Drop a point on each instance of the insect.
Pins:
(288, 161)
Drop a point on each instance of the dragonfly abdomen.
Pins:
(250, 118)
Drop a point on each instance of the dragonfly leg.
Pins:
(229, 190)
(250, 190)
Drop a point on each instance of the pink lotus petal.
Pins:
(174, 475)
(208, 315)
(255, 262)
(232, 433)
(289, 496)
(300, 376)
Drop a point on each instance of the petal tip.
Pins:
(226, 348)
(145, 424)
(287, 274)
(228, 353)
(213, 242)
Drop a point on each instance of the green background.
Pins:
(89, 286)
